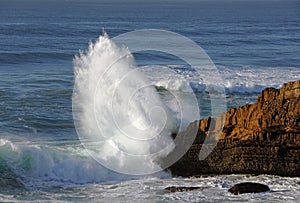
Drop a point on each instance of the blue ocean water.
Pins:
(254, 44)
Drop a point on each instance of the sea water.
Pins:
(253, 44)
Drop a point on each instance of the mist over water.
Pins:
(121, 119)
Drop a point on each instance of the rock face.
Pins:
(248, 187)
(261, 138)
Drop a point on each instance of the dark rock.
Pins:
(248, 187)
(180, 189)
(261, 138)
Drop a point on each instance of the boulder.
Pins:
(248, 187)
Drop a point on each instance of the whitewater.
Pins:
(254, 45)
(45, 173)
(118, 111)
(106, 78)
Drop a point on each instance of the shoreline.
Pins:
(260, 138)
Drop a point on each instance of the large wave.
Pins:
(32, 165)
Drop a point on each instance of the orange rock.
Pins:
(263, 137)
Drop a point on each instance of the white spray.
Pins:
(119, 116)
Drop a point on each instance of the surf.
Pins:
(38, 166)
(119, 116)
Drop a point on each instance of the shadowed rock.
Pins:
(248, 187)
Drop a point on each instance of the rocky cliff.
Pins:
(261, 138)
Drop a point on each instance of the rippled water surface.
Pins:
(254, 44)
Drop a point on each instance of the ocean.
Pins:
(52, 57)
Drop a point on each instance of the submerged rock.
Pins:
(261, 138)
(248, 187)
(180, 189)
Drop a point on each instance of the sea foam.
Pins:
(235, 80)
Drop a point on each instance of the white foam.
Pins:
(242, 80)
(118, 111)
(46, 166)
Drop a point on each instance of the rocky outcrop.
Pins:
(259, 138)
(248, 187)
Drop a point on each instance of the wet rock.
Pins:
(259, 138)
(248, 187)
(180, 189)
